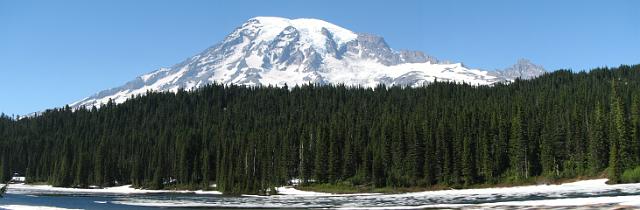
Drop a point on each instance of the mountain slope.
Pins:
(278, 51)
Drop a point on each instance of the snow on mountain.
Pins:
(278, 51)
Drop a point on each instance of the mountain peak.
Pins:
(524, 61)
(314, 31)
(523, 69)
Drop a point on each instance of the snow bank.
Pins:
(18, 179)
(125, 189)
(587, 186)
(294, 191)
(290, 191)
(202, 192)
(591, 192)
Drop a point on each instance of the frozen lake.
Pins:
(586, 194)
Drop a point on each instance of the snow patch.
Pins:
(18, 179)
(290, 191)
(310, 30)
(296, 192)
(125, 189)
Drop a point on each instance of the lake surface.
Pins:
(593, 194)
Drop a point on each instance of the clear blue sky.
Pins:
(56, 52)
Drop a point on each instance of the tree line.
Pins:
(251, 139)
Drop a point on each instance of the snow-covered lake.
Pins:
(590, 194)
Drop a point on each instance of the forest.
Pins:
(563, 124)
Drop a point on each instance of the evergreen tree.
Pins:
(597, 141)
(617, 137)
(5, 174)
(321, 161)
(634, 139)
(468, 163)
(518, 146)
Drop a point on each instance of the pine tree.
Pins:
(597, 141)
(518, 146)
(418, 152)
(547, 149)
(468, 164)
(334, 166)
(635, 131)
(4, 169)
(206, 159)
(321, 161)
(616, 137)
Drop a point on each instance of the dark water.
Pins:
(198, 201)
(100, 201)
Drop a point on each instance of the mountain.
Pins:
(524, 69)
(277, 51)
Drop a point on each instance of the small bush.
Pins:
(357, 180)
(631, 175)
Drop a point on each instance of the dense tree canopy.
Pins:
(249, 139)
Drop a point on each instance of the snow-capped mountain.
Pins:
(278, 51)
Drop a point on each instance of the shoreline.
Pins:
(593, 184)
(594, 192)
(124, 189)
(400, 190)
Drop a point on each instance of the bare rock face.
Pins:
(279, 51)
(375, 48)
(416, 57)
(523, 69)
